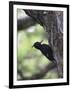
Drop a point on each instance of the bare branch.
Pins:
(25, 22)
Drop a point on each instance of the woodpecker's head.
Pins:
(37, 44)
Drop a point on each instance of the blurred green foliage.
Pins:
(30, 60)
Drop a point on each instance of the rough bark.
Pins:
(52, 21)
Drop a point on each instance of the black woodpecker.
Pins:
(45, 49)
(47, 52)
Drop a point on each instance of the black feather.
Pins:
(45, 49)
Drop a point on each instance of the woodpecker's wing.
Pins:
(47, 49)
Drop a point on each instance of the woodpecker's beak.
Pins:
(41, 41)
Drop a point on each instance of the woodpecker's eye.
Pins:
(37, 44)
